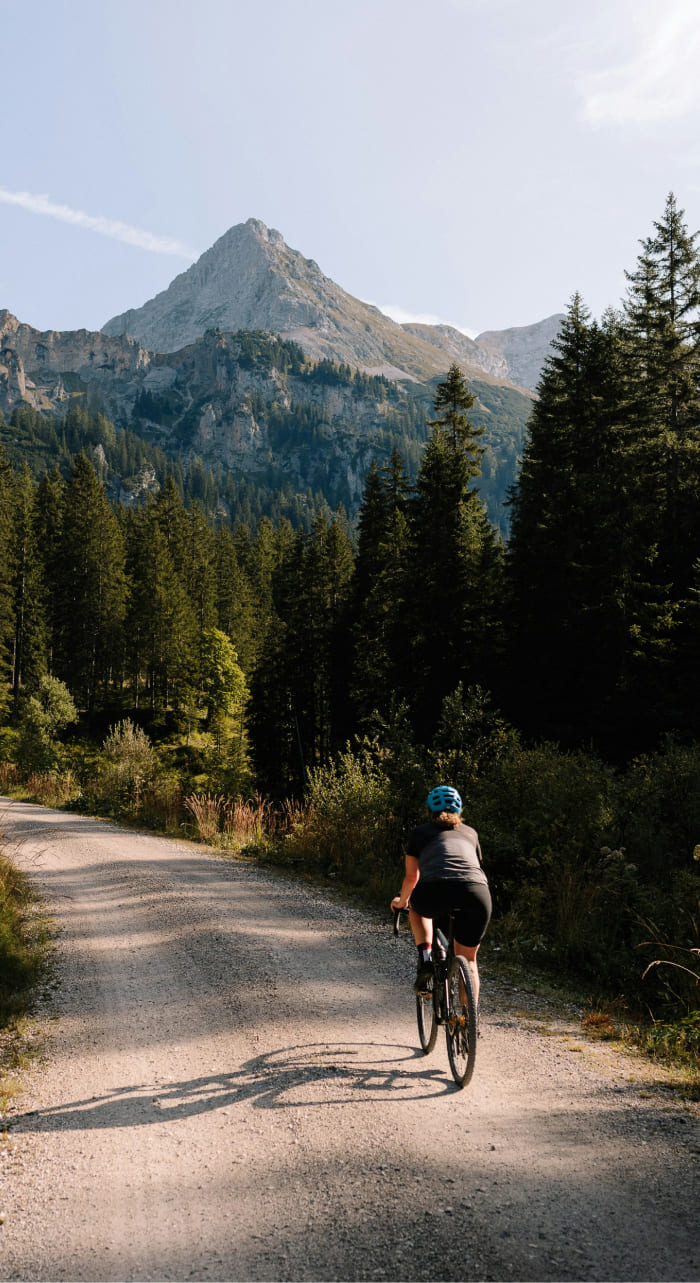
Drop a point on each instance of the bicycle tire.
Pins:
(425, 1015)
(461, 1022)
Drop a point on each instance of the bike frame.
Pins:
(453, 1002)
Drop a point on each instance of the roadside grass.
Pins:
(24, 960)
(536, 995)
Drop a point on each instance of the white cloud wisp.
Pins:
(110, 227)
(402, 317)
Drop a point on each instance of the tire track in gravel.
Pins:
(231, 1090)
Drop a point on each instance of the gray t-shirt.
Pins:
(447, 855)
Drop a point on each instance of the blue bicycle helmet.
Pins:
(443, 798)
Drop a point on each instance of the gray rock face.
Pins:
(518, 354)
(456, 345)
(210, 399)
(251, 280)
(34, 364)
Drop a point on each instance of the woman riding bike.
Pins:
(444, 875)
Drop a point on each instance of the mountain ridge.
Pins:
(254, 362)
(251, 404)
(250, 279)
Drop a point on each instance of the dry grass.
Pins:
(9, 776)
(162, 805)
(207, 811)
(600, 1024)
(239, 822)
(49, 789)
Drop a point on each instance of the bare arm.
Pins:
(410, 881)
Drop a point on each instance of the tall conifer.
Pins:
(7, 572)
(92, 588)
(30, 642)
(453, 584)
(161, 626)
(378, 633)
(49, 520)
(662, 333)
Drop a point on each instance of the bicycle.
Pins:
(448, 1000)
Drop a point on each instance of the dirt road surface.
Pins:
(231, 1090)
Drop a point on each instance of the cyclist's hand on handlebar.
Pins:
(396, 904)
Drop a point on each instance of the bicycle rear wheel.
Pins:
(425, 1014)
(461, 1024)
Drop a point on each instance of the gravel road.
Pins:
(231, 1090)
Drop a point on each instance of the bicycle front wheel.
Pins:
(461, 1023)
(425, 1014)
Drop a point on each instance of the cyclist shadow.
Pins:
(306, 1075)
(351, 1066)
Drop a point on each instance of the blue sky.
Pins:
(472, 161)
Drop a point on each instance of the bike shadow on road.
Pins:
(319, 1074)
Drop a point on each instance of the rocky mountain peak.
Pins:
(250, 279)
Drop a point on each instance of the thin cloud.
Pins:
(659, 82)
(402, 317)
(111, 227)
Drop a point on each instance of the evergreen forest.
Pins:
(163, 659)
(312, 428)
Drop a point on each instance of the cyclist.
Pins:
(444, 875)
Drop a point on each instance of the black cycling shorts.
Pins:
(469, 901)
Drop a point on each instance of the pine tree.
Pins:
(161, 628)
(452, 404)
(662, 336)
(236, 606)
(294, 691)
(275, 696)
(49, 519)
(662, 349)
(224, 688)
(454, 576)
(596, 567)
(378, 633)
(7, 574)
(172, 519)
(199, 579)
(662, 325)
(546, 530)
(585, 608)
(326, 575)
(92, 589)
(29, 650)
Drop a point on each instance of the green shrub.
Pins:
(44, 715)
(658, 808)
(22, 941)
(128, 766)
(539, 806)
(563, 892)
(471, 738)
(349, 828)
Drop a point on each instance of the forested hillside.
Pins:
(244, 422)
(553, 678)
(118, 601)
